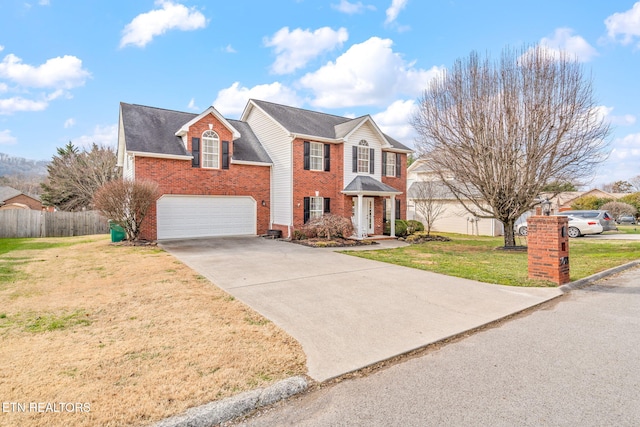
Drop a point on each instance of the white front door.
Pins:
(367, 214)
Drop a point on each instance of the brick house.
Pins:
(10, 198)
(275, 168)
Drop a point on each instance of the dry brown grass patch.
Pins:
(131, 331)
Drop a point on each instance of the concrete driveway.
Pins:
(348, 312)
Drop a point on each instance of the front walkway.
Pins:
(349, 312)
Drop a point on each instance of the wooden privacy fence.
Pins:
(30, 223)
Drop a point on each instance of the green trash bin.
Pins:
(117, 232)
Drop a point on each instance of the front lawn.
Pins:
(628, 228)
(129, 333)
(477, 258)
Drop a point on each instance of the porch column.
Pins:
(360, 233)
(393, 216)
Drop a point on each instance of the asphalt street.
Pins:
(574, 361)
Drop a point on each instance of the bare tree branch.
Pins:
(506, 129)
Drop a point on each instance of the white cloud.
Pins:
(295, 48)
(564, 40)
(64, 72)
(144, 27)
(623, 161)
(15, 104)
(394, 10)
(229, 49)
(3, 87)
(369, 73)
(394, 121)
(105, 136)
(44, 2)
(352, 8)
(232, 100)
(192, 105)
(6, 138)
(69, 123)
(604, 112)
(625, 24)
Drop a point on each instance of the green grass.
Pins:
(476, 257)
(44, 322)
(8, 270)
(9, 245)
(629, 229)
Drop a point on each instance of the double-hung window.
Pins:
(210, 150)
(363, 156)
(316, 156)
(316, 208)
(391, 164)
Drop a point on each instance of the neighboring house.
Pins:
(454, 218)
(10, 198)
(275, 168)
(563, 201)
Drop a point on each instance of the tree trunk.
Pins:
(509, 234)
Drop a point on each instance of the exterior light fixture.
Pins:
(546, 207)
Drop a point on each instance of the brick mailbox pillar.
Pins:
(548, 248)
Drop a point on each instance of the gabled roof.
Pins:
(316, 124)
(153, 130)
(438, 191)
(369, 185)
(7, 193)
(211, 110)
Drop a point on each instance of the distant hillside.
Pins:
(10, 165)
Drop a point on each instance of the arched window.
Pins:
(210, 150)
(363, 156)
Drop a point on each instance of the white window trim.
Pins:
(391, 164)
(316, 207)
(214, 139)
(319, 158)
(363, 157)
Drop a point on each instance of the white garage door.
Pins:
(182, 217)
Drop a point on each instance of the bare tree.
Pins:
(74, 176)
(635, 183)
(428, 198)
(127, 203)
(505, 129)
(618, 209)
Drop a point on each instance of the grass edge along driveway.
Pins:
(478, 258)
(130, 334)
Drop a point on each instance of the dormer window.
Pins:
(210, 150)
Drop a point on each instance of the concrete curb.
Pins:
(215, 413)
(582, 283)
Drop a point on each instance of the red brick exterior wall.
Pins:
(548, 249)
(26, 200)
(327, 184)
(330, 184)
(179, 177)
(400, 184)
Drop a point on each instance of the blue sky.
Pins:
(65, 64)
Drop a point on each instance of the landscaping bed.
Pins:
(336, 242)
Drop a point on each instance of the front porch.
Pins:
(368, 217)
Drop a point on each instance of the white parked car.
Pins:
(577, 227)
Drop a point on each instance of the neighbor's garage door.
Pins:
(182, 217)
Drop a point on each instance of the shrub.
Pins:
(401, 228)
(127, 203)
(414, 226)
(328, 226)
